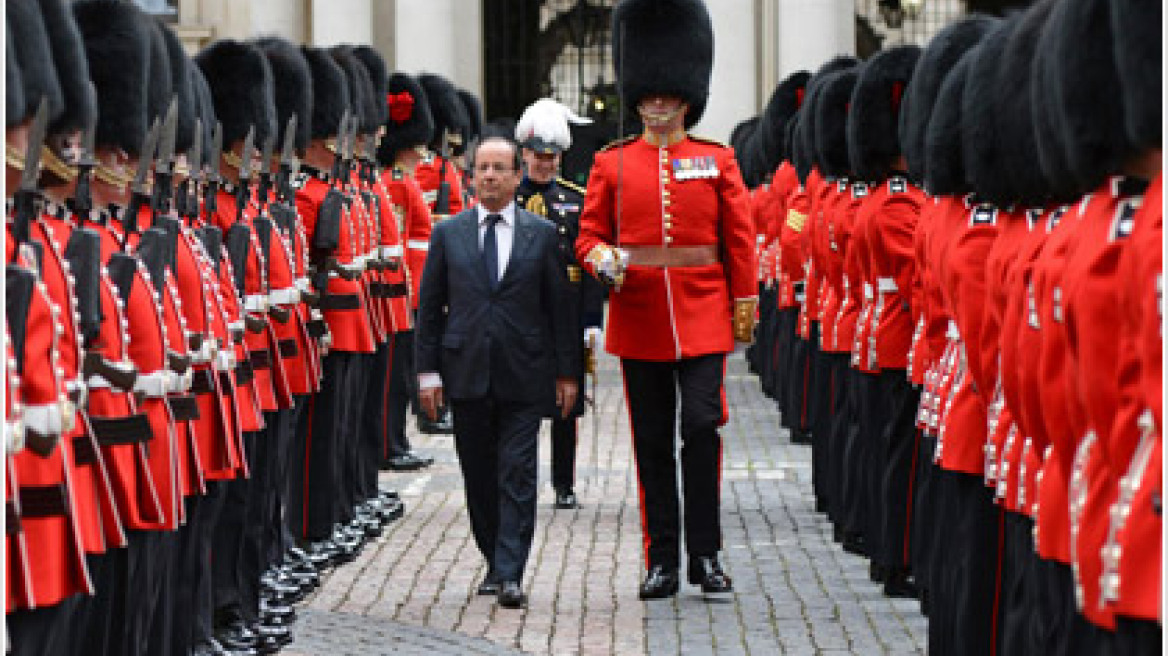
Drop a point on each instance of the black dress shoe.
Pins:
(660, 583)
(898, 585)
(876, 572)
(489, 586)
(511, 595)
(210, 648)
(405, 462)
(235, 637)
(707, 572)
(566, 499)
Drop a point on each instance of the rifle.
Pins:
(211, 193)
(160, 202)
(82, 201)
(442, 202)
(138, 191)
(27, 201)
(241, 194)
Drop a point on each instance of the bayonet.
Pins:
(287, 161)
(339, 149)
(265, 172)
(164, 164)
(82, 201)
(242, 195)
(139, 195)
(211, 194)
(195, 166)
(27, 200)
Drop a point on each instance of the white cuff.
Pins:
(44, 419)
(286, 296)
(886, 285)
(388, 252)
(255, 303)
(429, 380)
(154, 385)
(418, 245)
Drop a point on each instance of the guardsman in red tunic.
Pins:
(666, 222)
(410, 126)
(894, 206)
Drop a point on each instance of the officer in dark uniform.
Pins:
(544, 135)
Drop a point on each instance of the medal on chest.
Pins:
(693, 168)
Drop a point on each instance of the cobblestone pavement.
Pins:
(796, 592)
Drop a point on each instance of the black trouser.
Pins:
(204, 523)
(314, 500)
(402, 387)
(783, 360)
(1135, 636)
(41, 632)
(375, 431)
(924, 518)
(564, 435)
(972, 555)
(853, 485)
(352, 433)
(835, 461)
(1018, 591)
(798, 386)
(818, 388)
(654, 391)
(899, 442)
(872, 414)
(497, 442)
(234, 539)
(94, 618)
(281, 428)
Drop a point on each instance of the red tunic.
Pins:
(667, 314)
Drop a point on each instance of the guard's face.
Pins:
(661, 111)
(541, 167)
(495, 177)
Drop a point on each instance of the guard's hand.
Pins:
(565, 396)
(431, 398)
(609, 264)
(745, 310)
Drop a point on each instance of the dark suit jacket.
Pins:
(510, 342)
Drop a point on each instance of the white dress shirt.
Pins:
(504, 237)
(504, 233)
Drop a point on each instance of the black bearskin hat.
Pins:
(938, 58)
(1012, 102)
(72, 68)
(807, 115)
(1085, 91)
(741, 132)
(1052, 158)
(117, 45)
(410, 122)
(447, 109)
(874, 117)
(378, 75)
(31, 42)
(161, 90)
(14, 84)
(801, 158)
(330, 93)
(944, 172)
(292, 84)
(362, 102)
(205, 106)
(474, 115)
(180, 81)
(981, 139)
(832, 111)
(668, 49)
(241, 89)
(784, 102)
(1136, 31)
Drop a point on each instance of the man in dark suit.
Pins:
(492, 340)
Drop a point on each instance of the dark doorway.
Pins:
(552, 48)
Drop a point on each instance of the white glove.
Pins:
(609, 263)
(594, 336)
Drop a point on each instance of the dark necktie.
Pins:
(491, 249)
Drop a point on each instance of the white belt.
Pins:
(224, 360)
(886, 285)
(951, 332)
(154, 385)
(44, 418)
(206, 351)
(418, 245)
(304, 284)
(391, 251)
(868, 292)
(181, 382)
(286, 296)
(430, 196)
(237, 325)
(255, 303)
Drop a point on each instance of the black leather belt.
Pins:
(316, 328)
(396, 289)
(184, 407)
(203, 381)
(244, 373)
(260, 359)
(288, 348)
(37, 501)
(84, 452)
(11, 519)
(115, 431)
(225, 381)
(340, 302)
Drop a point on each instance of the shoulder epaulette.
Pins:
(568, 184)
(707, 140)
(623, 141)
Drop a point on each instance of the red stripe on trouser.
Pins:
(307, 466)
(998, 581)
(912, 479)
(637, 470)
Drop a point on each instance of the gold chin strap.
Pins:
(536, 205)
(58, 167)
(232, 160)
(13, 157)
(111, 178)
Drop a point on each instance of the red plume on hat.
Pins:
(401, 106)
